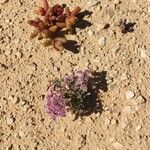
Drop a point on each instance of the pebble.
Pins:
(16, 41)
(139, 100)
(117, 145)
(23, 102)
(130, 109)
(145, 53)
(107, 121)
(90, 3)
(90, 33)
(21, 134)
(129, 95)
(125, 123)
(102, 41)
(138, 128)
(14, 99)
(115, 49)
(10, 120)
(124, 76)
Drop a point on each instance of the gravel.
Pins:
(10, 120)
(102, 41)
(129, 95)
(117, 145)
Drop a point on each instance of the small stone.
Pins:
(90, 33)
(130, 109)
(8, 21)
(14, 99)
(145, 53)
(96, 59)
(21, 134)
(23, 102)
(124, 76)
(102, 41)
(19, 55)
(117, 145)
(138, 128)
(91, 3)
(115, 49)
(10, 120)
(139, 100)
(82, 48)
(125, 123)
(111, 12)
(107, 121)
(16, 41)
(129, 95)
(113, 121)
(148, 9)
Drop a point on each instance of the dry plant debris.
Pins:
(52, 21)
(126, 26)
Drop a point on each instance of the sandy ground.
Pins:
(26, 68)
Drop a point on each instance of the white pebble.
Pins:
(115, 49)
(124, 76)
(102, 41)
(139, 100)
(90, 33)
(107, 121)
(145, 53)
(117, 145)
(129, 95)
(10, 120)
(138, 128)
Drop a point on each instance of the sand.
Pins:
(26, 69)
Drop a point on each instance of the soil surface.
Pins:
(123, 61)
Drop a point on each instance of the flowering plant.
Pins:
(71, 93)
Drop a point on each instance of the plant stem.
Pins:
(45, 5)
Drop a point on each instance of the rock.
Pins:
(113, 121)
(21, 134)
(91, 3)
(90, 33)
(107, 121)
(125, 123)
(145, 53)
(130, 110)
(139, 100)
(96, 59)
(117, 145)
(124, 76)
(10, 120)
(19, 54)
(111, 12)
(102, 41)
(129, 95)
(138, 128)
(23, 102)
(14, 99)
(16, 41)
(115, 49)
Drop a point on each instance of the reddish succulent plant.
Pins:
(51, 21)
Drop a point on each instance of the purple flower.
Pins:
(82, 79)
(79, 80)
(55, 104)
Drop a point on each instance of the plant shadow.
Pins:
(81, 23)
(72, 46)
(97, 82)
